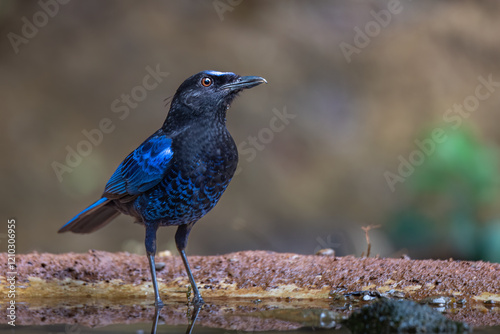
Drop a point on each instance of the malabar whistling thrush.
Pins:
(179, 173)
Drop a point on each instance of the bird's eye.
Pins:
(206, 81)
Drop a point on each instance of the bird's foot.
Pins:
(198, 300)
(159, 303)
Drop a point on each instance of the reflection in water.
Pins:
(196, 310)
(155, 320)
(220, 315)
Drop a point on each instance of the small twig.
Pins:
(367, 236)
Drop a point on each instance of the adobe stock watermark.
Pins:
(30, 28)
(223, 6)
(454, 117)
(11, 274)
(363, 37)
(254, 144)
(120, 109)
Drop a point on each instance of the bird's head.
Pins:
(210, 93)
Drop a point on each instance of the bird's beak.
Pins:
(244, 83)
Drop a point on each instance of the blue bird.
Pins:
(179, 173)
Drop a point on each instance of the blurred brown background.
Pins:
(366, 85)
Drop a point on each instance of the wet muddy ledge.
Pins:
(255, 275)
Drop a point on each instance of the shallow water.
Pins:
(235, 316)
(165, 328)
(142, 329)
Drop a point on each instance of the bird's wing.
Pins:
(142, 169)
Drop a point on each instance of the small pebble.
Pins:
(368, 298)
(159, 265)
(326, 252)
(394, 294)
(438, 301)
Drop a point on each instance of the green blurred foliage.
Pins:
(447, 195)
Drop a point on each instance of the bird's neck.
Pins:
(181, 116)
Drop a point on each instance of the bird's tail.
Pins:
(92, 218)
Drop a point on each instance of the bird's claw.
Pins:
(159, 303)
(198, 300)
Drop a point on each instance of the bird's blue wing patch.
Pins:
(142, 169)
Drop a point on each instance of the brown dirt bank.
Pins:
(42, 278)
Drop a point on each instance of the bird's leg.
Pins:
(151, 251)
(181, 237)
(158, 302)
(194, 316)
